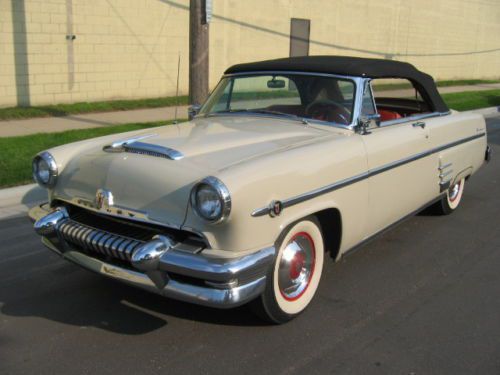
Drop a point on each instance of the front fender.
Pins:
(282, 176)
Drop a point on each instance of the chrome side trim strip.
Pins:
(312, 194)
(370, 173)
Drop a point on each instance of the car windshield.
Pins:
(301, 96)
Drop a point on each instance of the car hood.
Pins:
(219, 142)
(160, 187)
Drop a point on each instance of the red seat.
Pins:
(386, 115)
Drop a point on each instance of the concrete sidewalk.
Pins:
(13, 128)
(96, 120)
(16, 201)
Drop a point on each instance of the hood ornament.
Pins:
(104, 199)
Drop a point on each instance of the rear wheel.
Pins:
(452, 199)
(293, 280)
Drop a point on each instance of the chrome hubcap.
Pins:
(453, 192)
(296, 266)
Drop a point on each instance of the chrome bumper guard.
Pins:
(209, 281)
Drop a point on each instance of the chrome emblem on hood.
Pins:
(103, 199)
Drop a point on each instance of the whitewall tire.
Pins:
(451, 200)
(294, 278)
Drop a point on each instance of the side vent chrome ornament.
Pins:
(444, 171)
(119, 144)
(133, 145)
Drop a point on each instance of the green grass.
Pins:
(466, 82)
(464, 101)
(15, 113)
(16, 153)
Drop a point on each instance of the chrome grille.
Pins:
(115, 237)
(105, 223)
(95, 240)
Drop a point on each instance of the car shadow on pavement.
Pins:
(34, 196)
(72, 296)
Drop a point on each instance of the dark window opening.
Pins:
(397, 98)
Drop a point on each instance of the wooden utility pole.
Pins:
(198, 52)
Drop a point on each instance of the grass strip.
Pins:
(465, 101)
(59, 110)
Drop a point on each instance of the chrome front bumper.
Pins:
(209, 281)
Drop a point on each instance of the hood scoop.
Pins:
(133, 145)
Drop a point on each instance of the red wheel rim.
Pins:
(296, 266)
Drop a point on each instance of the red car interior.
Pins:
(386, 115)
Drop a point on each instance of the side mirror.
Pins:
(193, 110)
(367, 121)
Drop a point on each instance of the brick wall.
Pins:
(129, 48)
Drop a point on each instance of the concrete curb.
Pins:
(16, 201)
(486, 112)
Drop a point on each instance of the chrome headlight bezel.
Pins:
(52, 169)
(223, 196)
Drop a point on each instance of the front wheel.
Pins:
(293, 280)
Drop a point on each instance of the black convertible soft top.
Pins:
(351, 66)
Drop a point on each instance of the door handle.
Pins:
(419, 124)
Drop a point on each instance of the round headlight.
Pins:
(45, 169)
(210, 200)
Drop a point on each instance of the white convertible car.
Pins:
(288, 160)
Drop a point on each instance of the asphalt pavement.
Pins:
(423, 298)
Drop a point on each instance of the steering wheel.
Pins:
(328, 110)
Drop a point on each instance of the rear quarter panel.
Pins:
(464, 158)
